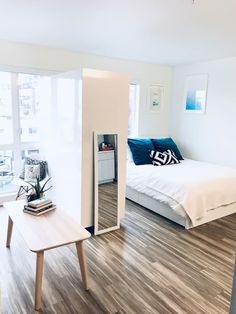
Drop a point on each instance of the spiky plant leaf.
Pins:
(42, 189)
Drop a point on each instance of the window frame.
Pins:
(17, 146)
(135, 120)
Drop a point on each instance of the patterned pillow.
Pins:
(32, 172)
(43, 167)
(165, 158)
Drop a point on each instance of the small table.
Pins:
(45, 232)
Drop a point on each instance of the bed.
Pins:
(190, 193)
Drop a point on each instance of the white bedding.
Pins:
(190, 188)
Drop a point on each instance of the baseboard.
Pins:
(90, 229)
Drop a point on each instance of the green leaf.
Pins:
(32, 185)
(47, 189)
(42, 189)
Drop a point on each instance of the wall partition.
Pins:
(77, 104)
(105, 103)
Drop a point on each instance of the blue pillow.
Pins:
(140, 148)
(163, 144)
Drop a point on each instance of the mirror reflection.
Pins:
(107, 181)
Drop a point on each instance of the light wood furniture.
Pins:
(54, 229)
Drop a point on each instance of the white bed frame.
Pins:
(164, 210)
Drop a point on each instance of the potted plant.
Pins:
(37, 190)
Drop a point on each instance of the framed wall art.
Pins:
(155, 98)
(196, 93)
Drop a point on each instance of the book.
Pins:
(39, 212)
(44, 207)
(39, 207)
(39, 202)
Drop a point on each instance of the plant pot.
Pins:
(31, 197)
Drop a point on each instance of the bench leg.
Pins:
(9, 232)
(82, 262)
(38, 280)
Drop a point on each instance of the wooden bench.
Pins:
(45, 232)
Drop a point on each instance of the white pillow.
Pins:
(32, 172)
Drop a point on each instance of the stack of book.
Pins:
(39, 207)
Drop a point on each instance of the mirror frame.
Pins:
(95, 167)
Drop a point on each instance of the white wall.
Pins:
(211, 136)
(105, 98)
(44, 58)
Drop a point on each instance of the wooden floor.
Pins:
(107, 205)
(150, 265)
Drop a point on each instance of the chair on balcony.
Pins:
(25, 188)
(6, 174)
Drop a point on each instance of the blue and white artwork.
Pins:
(196, 93)
(155, 98)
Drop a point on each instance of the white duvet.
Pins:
(191, 187)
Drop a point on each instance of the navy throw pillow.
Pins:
(163, 144)
(140, 148)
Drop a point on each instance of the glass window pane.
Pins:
(6, 127)
(29, 106)
(32, 153)
(6, 171)
(133, 109)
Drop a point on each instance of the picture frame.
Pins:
(195, 95)
(155, 98)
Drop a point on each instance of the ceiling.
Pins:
(158, 31)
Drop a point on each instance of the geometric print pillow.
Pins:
(43, 165)
(32, 172)
(165, 158)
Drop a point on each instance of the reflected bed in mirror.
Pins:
(106, 182)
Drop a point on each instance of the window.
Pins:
(19, 129)
(6, 170)
(28, 86)
(133, 110)
(6, 123)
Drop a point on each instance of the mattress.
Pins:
(190, 188)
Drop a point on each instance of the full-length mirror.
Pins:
(106, 182)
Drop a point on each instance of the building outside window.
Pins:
(19, 130)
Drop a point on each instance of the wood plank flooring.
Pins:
(150, 265)
(107, 205)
